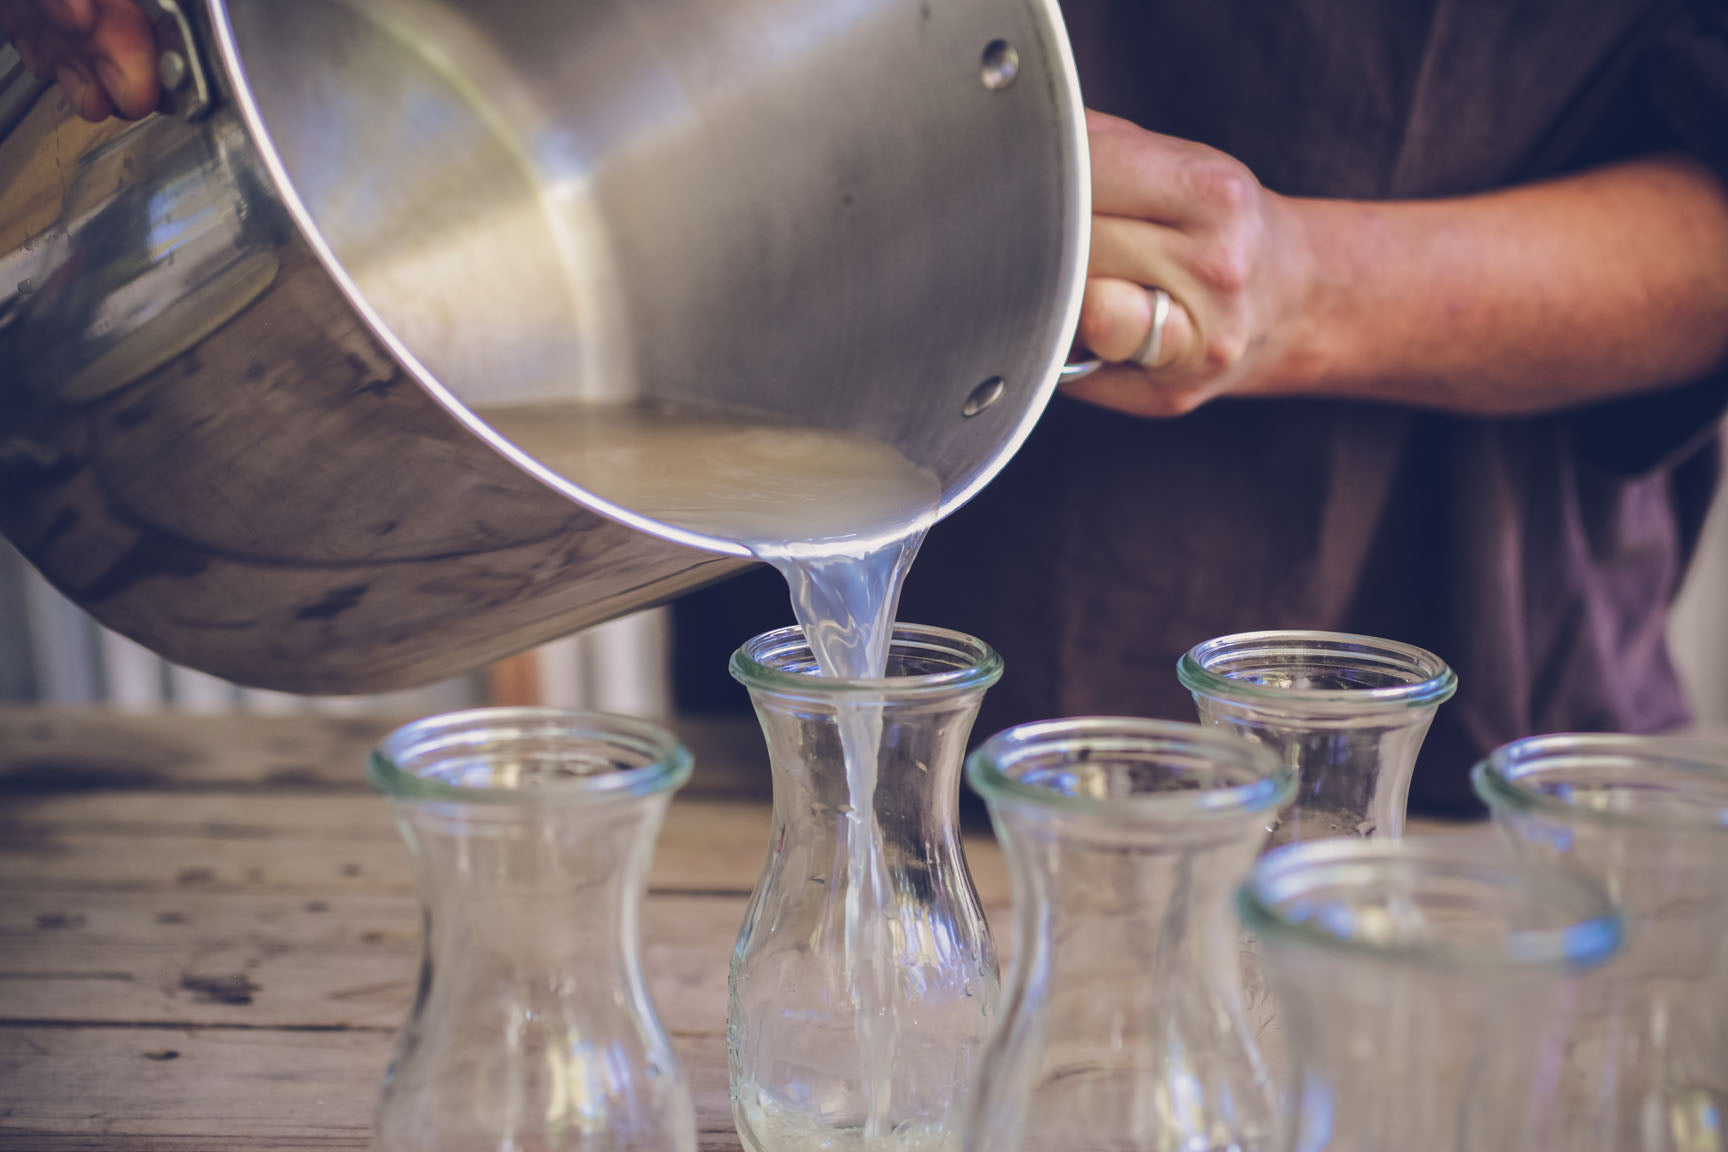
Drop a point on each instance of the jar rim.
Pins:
(1508, 780)
(1280, 878)
(1432, 683)
(665, 763)
(760, 665)
(1271, 783)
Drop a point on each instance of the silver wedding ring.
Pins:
(1147, 355)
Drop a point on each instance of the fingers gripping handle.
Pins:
(179, 66)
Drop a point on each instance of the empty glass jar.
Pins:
(864, 980)
(531, 1028)
(1124, 1028)
(1647, 816)
(1424, 990)
(1348, 712)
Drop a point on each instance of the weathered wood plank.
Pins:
(144, 840)
(220, 1090)
(321, 844)
(208, 958)
(85, 749)
(238, 960)
(31, 860)
(256, 1088)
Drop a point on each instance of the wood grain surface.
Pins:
(209, 933)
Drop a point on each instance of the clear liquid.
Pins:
(788, 494)
(841, 517)
(789, 1130)
(845, 603)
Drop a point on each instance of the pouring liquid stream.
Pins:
(841, 516)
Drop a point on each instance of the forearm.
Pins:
(1537, 298)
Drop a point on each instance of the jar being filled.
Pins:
(864, 980)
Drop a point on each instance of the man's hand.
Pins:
(102, 52)
(1533, 298)
(1172, 214)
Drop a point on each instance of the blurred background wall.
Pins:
(1699, 631)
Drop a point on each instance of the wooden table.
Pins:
(209, 934)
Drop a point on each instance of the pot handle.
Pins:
(179, 66)
(1075, 370)
(179, 69)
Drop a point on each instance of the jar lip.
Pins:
(666, 763)
(1272, 784)
(758, 664)
(1432, 681)
(1281, 877)
(1511, 778)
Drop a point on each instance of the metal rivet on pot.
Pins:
(171, 70)
(1000, 64)
(983, 396)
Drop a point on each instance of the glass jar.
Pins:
(531, 1029)
(1647, 816)
(1349, 713)
(1124, 1026)
(1424, 990)
(864, 980)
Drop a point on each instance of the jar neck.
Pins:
(541, 884)
(1670, 884)
(1354, 772)
(1126, 991)
(1645, 815)
(1153, 907)
(908, 753)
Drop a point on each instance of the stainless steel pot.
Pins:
(242, 344)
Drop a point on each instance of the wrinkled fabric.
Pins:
(1537, 556)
